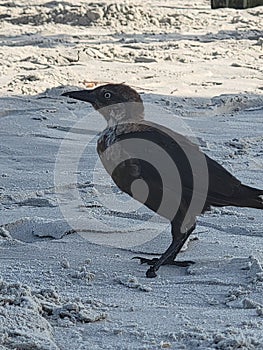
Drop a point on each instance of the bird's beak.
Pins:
(82, 95)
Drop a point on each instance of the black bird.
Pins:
(161, 168)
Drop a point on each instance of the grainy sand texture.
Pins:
(67, 280)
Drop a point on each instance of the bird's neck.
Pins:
(123, 113)
(113, 121)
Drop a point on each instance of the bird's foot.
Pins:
(153, 261)
(185, 263)
(146, 261)
(151, 273)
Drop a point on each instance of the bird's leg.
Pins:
(171, 259)
(170, 254)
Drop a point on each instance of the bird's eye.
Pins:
(107, 95)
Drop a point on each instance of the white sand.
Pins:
(200, 71)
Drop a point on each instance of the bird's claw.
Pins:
(146, 261)
(153, 261)
(150, 273)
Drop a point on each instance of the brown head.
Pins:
(118, 103)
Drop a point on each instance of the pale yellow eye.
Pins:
(107, 95)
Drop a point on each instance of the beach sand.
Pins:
(67, 280)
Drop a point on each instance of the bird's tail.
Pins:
(248, 197)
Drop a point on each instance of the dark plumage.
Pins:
(182, 182)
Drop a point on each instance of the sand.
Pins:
(67, 234)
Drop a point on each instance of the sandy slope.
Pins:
(200, 72)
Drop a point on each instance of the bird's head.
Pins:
(118, 103)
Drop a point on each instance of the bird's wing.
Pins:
(183, 152)
(169, 163)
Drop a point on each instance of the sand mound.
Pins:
(27, 317)
(89, 14)
(126, 15)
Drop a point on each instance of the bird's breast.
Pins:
(106, 139)
(110, 150)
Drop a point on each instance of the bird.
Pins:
(164, 170)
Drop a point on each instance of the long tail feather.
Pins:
(249, 197)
